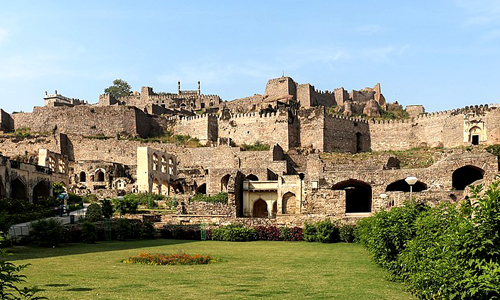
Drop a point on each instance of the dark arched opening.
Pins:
(402, 186)
(19, 190)
(202, 189)
(252, 177)
(275, 209)
(40, 191)
(289, 204)
(465, 176)
(224, 183)
(99, 176)
(359, 145)
(83, 177)
(358, 197)
(260, 209)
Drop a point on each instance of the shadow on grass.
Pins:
(28, 252)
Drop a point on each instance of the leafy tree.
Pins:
(57, 188)
(120, 88)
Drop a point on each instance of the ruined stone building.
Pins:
(331, 153)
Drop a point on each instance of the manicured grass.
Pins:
(251, 270)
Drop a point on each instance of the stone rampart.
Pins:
(6, 121)
(204, 127)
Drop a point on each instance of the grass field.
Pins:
(252, 270)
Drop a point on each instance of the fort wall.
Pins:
(6, 121)
(204, 127)
(88, 120)
(440, 129)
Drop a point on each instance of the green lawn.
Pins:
(252, 270)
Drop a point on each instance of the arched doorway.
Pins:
(202, 189)
(474, 134)
(156, 187)
(40, 191)
(99, 175)
(402, 186)
(224, 183)
(19, 190)
(83, 177)
(289, 204)
(252, 177)
(260, 209)
(358, 197)
(164, 188)
(464, 176)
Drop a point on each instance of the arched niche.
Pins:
(466, 175)
(358, 195)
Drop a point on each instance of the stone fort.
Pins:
(320, 154)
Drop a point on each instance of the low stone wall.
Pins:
(204, 208)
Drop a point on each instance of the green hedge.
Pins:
(446, 252)
(234, 233)
(219, 198)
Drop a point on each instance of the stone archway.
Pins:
(358, 195)
(164, 188)
(260, 209)
(289, 203)
(156, 187)
(466, 175)
(99, 176)
(252, 177)
(202, 189)
(83, 177)
(224, 183)
(402, 186)
(18, 189)
(40, 191)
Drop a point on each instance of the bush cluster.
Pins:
(234, 233)
(446, 252)
(128, 205)
(161, 259)
(219, 198)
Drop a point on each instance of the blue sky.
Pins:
(442, 54)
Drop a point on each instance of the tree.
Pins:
(120, 88)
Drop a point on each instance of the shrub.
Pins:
(346, 233)
(292, 234)
(182, 232)
(258, 146)
(123, 230)
(451, 253)
(148, 231)
(169, 259)
(219, 198)
(89, 233)
(127, 205)
(90, 198)
(234, 233)
(47, 233)
(94, 213)
(269, 233)
(323, 232)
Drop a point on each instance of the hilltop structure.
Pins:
(330, 153)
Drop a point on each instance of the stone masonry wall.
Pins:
(204, 127)
(86, 120)
(269, 128)
(6, 121)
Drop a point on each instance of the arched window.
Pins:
(260, 209)
(62, 166)
(163, 164)
(466, 175)
(40, 191)
(99, 176)
(402, 186)
(19, 190)
(155, 162)
(170, 166)
(83, 177)
(289, 204)
(52, 163)
(224, 183)
(358, 195)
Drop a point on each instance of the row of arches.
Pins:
(99, 176)
(261, 207)
(19, 189)
(61, 166)
(163, 165)
(160, 188)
